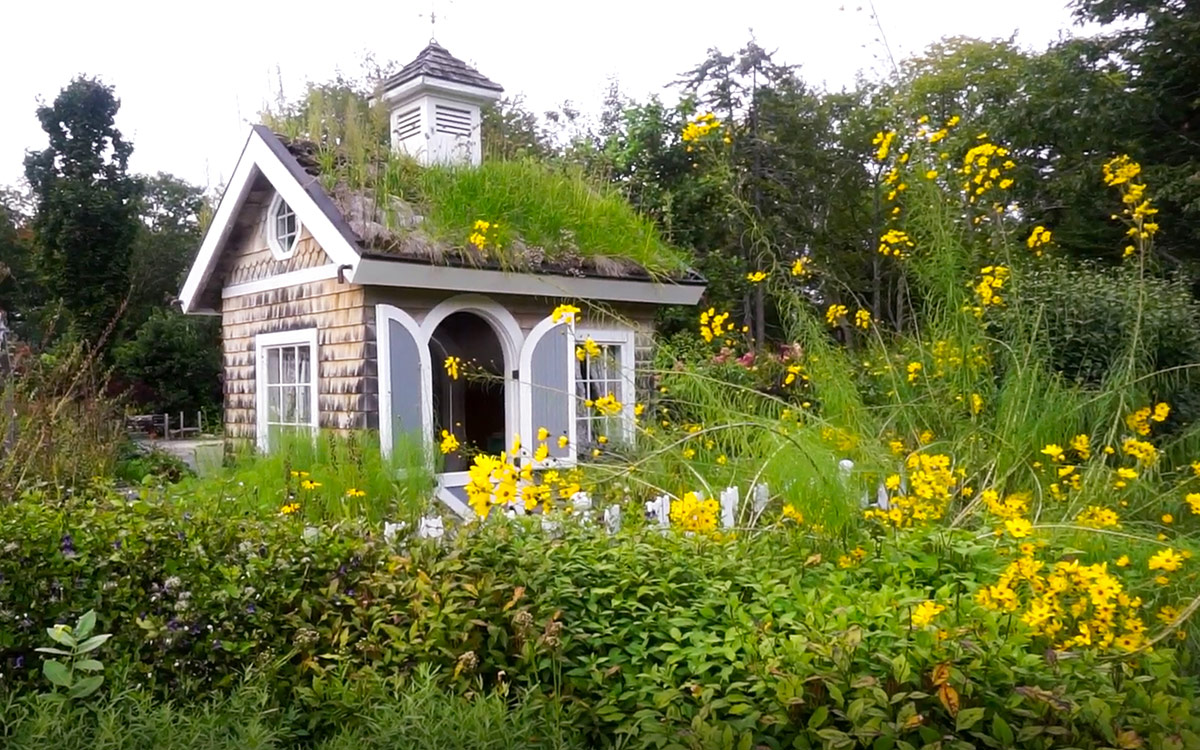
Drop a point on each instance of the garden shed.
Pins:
(348, 286)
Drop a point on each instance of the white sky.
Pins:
(192, 76)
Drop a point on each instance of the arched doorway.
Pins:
(471, 406)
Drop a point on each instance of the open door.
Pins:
(405, 401)
(547, 378)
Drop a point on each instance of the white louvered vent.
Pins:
(452, 120)
(407, 123)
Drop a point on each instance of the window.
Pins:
(283, 228)
(603, 374)
(286, 383)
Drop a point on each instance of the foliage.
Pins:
(137, 464)
(85, 223)
(59, 428)
(76, 672)
(416, 714)
(771, 636)
(173, 363)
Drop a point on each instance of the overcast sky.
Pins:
(192, 76)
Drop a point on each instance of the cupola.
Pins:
(433, 108)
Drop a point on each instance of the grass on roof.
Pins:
(553, 207)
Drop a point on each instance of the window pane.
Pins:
(272, 365)
(272, 403)
(288, 366)
(302, 364)
(304, 404)
(288, 408)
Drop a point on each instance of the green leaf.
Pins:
(1002, 731)
(61, 634)
(89, 665)
(55, 651)
(86, 625)
(93, 643)
(967, 718)
(56, 672)
(818, 717)
(86, 687)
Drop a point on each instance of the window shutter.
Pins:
(548, 384)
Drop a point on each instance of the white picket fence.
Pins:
(657, 514)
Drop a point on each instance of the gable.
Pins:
(231, 254)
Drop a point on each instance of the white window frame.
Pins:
(625, 339)
(263, 343)
(278, 250)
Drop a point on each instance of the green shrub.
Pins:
(653, 640)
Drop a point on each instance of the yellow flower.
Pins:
(1018, 528)
(1123, 561)
(451, 364)
(800, 267)
(449, 442)
(308, 484)
(755, 277)
(1081, 444)
(925, 612)
(884, 141)
(352, 492)
(1167, 559)
(542, 453)
(914, 371)
(1167, 518)
(564, 314)
(976, 403)
(835, 313)
(790, 511)
(862, 319)
(931, 174)
(563, 441)
(1193, 501)
(289, 509)
(1054, 451)
(608, 405)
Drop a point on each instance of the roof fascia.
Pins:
(374, 271)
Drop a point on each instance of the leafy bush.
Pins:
(173, 363)
(1090, 315)
(775, 639)
(137, 463)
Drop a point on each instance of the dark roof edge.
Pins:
(311, 185)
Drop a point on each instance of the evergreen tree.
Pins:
(85, 206)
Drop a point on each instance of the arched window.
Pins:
(283, 228)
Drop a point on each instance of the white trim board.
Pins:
(291, 278)
(375, 271)
(258, 158)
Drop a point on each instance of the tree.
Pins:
(1158, 45)
(166, 244)
(173, 362)
(85, 220)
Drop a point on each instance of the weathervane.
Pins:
(433, 18)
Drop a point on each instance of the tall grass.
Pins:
(329, 478)
(418, 715)
(543, 210)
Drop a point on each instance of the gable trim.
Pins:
(279, 281)
(264, 154)
(425, 276)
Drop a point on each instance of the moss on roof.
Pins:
(539, 216)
